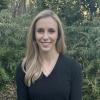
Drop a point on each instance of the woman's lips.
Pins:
(45, 43)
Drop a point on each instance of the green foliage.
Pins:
(68, 10)
(83, 43)
(3, 4)
(12, 41)
(3, 77)
(90, 5)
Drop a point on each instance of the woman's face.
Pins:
(46, 34)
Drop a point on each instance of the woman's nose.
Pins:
(46, 35)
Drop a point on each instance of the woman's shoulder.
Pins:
(19, 70)
(69, 61)
(21, 65)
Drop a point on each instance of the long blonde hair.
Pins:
(31, 64)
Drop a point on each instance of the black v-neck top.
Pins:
(63, 83)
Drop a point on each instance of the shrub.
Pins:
(3, 77)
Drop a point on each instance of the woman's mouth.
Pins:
(45, 44)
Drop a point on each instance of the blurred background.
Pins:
(81, 22)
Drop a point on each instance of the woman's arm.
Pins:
(76, 83)
(22, 89)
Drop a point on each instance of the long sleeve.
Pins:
(22, 89)
(76, 83)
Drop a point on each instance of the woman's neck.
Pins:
(48, 56)
(48, 62)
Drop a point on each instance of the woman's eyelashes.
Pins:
(41, 30)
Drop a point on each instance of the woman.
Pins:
(45, 73)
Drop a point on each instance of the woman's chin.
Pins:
(47, 49)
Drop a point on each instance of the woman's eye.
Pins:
(40, 30)
(51, 30)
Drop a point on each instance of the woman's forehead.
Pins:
(46, 21)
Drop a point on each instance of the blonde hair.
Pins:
(31, 64)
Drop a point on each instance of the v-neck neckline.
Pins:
(53, 70)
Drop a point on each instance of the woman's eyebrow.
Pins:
(51, 29)
(40, 29)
